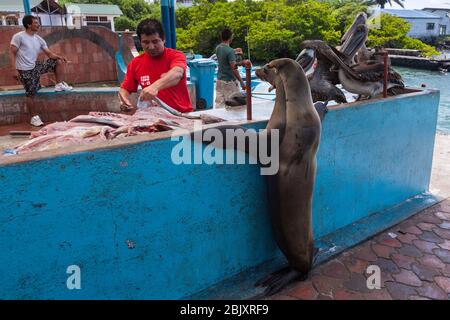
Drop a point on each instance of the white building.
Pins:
(92, 15)
(424, 24)
(444, 13)
(50, 13)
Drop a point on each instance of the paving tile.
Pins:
(280, 297)
(304, 291)
(417, 298)
(365, 253)
(325, 285)
(444, 206)
(335, 269)
(430, 237)
(355, 265)
(410, 251)
(415, 265)
(381, 294)
(383, 251)
(387, 266)
(356, 283)
(324, 297)
(431, 261)
(430, 218)
(412, 230)
(445, 234)
(390, 242)
(442, 215)
(426, 226)
(445, 245)
(407, 238)
(425, 246)
(400, 291)
(408, 277)
(446, 270)
(343, 294)
(425, 273)
(444, 255)
(432, 291)
(403, 261)
(444, 283)
(445, 225)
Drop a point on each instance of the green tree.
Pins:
(124, 23)
(382, 3)
(345, 12)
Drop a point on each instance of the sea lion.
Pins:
(236, 99)
(290, 190)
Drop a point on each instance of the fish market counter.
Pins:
(121, 220)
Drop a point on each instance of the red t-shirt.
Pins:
(145, 69)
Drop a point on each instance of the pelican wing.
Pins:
(330, 54)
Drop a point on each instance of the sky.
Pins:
(420, 4)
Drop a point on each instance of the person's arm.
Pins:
(167, 80)
(128, 86)
(52, 55)
(124, 98)
(236, 74)
(13, 51)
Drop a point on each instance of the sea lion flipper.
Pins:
(279, 280)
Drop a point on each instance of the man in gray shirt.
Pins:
(25, 49)
(228, 77)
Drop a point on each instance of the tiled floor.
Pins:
(413, 257)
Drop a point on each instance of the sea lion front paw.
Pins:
(278, 280)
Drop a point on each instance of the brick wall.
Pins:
(55, 106)
(90, 50)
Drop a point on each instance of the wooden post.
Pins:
(386, 73)
(248, 84)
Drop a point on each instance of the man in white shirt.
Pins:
(25, 49)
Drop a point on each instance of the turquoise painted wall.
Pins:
(141, 227)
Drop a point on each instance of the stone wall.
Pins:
(90, 51)
(51, 106)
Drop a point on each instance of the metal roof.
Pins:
(94, 9)
(16, 5)
(417, 14)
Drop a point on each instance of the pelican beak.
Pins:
(306, 59)
(356, 40)
(361, 18)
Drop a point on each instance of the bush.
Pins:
(124, 23)
(415, 44)
(270, 29)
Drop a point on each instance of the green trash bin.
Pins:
(202, 73)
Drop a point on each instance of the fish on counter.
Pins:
(106, 126)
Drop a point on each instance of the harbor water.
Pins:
(433, 80)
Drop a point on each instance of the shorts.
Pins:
(224, 89)
(31, 78)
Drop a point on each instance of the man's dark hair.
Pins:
(149, 27)
(28, 20)
(226, 34)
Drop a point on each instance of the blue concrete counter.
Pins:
(140, 227)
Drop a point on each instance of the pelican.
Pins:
(317, 55)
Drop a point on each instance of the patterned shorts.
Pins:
(30, 78)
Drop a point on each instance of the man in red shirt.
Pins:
(160, 71)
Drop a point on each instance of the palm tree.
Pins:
(382, 3)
